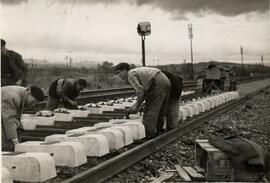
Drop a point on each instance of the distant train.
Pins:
(219, 79)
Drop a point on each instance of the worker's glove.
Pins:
(132, 110)
(74, 103)
(15, 141)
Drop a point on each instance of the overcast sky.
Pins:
(98, 30)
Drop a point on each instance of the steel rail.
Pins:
(104, 94)
(113, 93)
(115, 165)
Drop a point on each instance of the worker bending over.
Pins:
(152, 86)
(65, 90)
(14, 100)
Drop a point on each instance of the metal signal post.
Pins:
(143, 50)
(143, 29)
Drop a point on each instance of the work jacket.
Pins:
(12, 68)
(13, 100)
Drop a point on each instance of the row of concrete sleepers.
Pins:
(39, 158)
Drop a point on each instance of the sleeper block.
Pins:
(103, 125)
(6, 177)
(195, 108)
(82, 130)
(63, 117)
(188, 110)
(127, 134)
(183, 113)
(95, 145)
(29, 167)
(201, 106)
(114, 136)
(30, 121)
(71, 154)
(79, 113)
(134, 126)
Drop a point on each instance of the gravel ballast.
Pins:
(251, 119)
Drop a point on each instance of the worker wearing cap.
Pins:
(14, 100)
(65, 90)
(13, 69)
(152, 86)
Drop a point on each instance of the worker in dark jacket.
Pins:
(13, 69)
(14, 99)
(152, 86)
(65, 90)
(172, 113)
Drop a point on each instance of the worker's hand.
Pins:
(15, 141)
(132, 110)
(19, 82)
(74, 103)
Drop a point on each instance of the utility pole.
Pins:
(242, 65)
(190, 35)
(262, 60)
(262, 64)
(184, 67)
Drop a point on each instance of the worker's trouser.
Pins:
(7, 144)
(172, 114)
(156, 104)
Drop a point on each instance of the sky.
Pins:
(106, 30)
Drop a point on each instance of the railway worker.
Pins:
(172, 113)
(152, 86)
(65, 90)
(14, 100)
(13, 69)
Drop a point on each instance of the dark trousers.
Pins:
(172, 114)
(156, 104)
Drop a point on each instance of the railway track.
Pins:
(60, 127)
(110, 167)
(93, 96)
(115, 163)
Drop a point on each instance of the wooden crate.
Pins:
(218, 166)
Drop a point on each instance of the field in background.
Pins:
(96, 78)
(103, 76)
